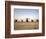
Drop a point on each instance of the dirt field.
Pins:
(25, 25)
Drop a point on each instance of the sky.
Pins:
(26, 13)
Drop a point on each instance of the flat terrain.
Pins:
(25, 25)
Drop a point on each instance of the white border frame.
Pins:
(26, 31)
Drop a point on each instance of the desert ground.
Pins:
(25, 25)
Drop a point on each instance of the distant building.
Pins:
(36, 20)
(26, 20)
(29, 20)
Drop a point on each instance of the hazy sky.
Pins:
(26, 13)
